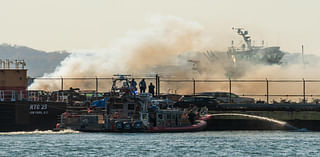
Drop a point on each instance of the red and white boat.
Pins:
(127, 111)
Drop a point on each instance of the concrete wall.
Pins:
(278, 115)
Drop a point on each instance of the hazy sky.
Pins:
(89, 24)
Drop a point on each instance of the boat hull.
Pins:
(29, 116)
(199, 126)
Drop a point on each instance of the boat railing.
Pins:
(12, 95)
(32, 95)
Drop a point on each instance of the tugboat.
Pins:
(125, 110)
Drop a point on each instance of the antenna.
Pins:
(23, 63)
(17, 64)
(245, 35)
(302, 53)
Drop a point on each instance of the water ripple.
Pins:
(224, 143)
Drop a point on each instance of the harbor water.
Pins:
(211, 143)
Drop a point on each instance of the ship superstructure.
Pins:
(13, 80)
(255, 54)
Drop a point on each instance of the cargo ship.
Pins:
(22, 109)
(254, 54)
(237, 57)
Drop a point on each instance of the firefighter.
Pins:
(151, 89)
(133, 85)
(142, 86)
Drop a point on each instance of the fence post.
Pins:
(194, 86)
(304, 90)
(267, 81)
(61, 83)
(97, 84)
(157, 84)
(230, 90)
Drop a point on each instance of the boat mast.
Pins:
(302, 52)
(246, 37)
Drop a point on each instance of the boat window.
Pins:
(117, 106)
(173, 116)
(188, 99)
(234, 96)
(160, 116)
(118, 100)
(130, 106)
(144, 116)
(168, 116)
(224, 95)
(201, 99)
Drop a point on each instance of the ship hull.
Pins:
(29, 116)
(268, 55)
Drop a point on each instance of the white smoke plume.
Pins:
(135, 53)
(171, 47)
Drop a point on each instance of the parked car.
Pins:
(224, 97)
(199, 101)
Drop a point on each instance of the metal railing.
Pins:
(12, 95)
(264, 88)
(32, 95)
(267, 82)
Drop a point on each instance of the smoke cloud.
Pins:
(136, 53)
(175, 48)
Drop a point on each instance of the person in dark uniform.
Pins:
(191, 117)
(142, 86)
(151, 88)
(133, 84)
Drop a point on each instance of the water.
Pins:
(224, 143)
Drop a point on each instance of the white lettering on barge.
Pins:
(38, 109)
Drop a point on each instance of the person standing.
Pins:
(133, 84)
(151, 88)
(142, 86)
